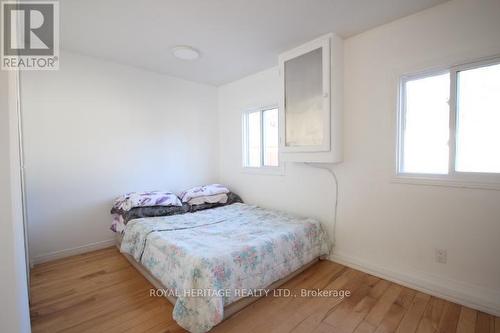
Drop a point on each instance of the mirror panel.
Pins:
(304, 123)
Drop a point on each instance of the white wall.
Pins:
(302, 189)
(14, 310)
(398, 226)
(94, 130)
(383, 227)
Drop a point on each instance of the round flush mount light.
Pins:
(185, 52)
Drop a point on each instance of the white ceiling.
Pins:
(236, 37)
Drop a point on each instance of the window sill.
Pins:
(444, 181)
(264, 171)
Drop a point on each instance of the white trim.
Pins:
(72, 251)
(19, 268)
(452, 126)
(453, 178)
(23, 176)
(442, 180)
(473, 296)
(270, 171)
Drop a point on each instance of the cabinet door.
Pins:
(305, 74)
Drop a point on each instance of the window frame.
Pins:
(452, 178)
(262, 169)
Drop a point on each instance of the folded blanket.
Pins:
(131, 200)
(203, 191)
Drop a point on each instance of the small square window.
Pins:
(261, 139)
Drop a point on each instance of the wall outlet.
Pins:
(441, 256)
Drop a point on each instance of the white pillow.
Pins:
(216, 198)
(202, 191)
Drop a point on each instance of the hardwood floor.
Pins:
(101, 292)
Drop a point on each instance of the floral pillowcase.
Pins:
(146, 199)
(203, 191)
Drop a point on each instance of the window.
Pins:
(261, 138)
(426, 125)
(449, 124)
(478, 120)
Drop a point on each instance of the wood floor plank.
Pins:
(411, 319)
(396, 312)
(77, 295)
(405, 299)
(391, 321)
(449, 320)
(270, 309)
(467, 320)
(485, 323)
(383, 305)
(340, 313)
(101, 292)
(355, 316)
(312, 312)
(432, 316)
(365, 327)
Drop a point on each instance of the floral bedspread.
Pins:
(208, 258)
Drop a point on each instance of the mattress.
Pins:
(212, 258)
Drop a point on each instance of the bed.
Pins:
(208, 261)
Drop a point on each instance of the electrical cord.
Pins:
(336, 197)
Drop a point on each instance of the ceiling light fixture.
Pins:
(185, 52)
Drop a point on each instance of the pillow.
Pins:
(121, 218)
(231, 199)
(202, 191)
(217, 198)
(131, 200)
(140, 212)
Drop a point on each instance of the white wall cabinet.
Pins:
(311, 103)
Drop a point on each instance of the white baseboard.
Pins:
(473, 296)
(71, 252)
